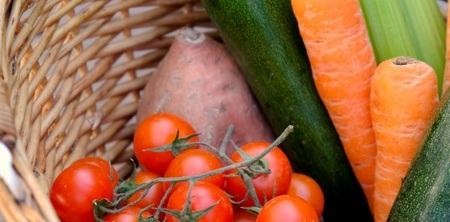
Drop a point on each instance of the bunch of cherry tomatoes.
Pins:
(182, 179)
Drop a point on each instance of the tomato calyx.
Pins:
(256, 168)
(260, 167)
(128, 187)
(130, 214)
(252, 210)
(101, 208)
(177, 145)
(104, 207)
(187, 214)
(122, 193)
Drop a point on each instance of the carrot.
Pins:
(404, 94)
(342, 62)
(447, 57)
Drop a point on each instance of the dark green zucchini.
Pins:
(425, 191)
(263, 37)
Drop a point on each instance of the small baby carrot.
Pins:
(342, 62)
(404, 95)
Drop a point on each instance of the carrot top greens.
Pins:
(407, 28)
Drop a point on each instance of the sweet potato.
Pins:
(199, 80)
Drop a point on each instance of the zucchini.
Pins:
(425, 191)
(263, 37)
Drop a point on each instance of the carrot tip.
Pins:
(403, 60)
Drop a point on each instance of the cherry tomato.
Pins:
(103, 164)
(202, 196)
(155, 131)
(287, 208)
(307, 188)
(193, 162)
(130, 214)
(75, 189)
(154, 194)
(266, 185)
(240, 215)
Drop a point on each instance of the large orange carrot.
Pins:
(343, 62)
(447, 56)
(404, 94)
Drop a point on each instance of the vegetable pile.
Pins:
(379, 77)
(359, 101)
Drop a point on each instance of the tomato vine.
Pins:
(249, 168)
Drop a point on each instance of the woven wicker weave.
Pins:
(70, 81)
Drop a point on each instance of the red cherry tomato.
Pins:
(154, 194)
(103, 164)
(202, 196)
(155, 131)
(307, 188)
(287, 208)
(74, 190)
(193, 162)
(130, 214)
(266, 185)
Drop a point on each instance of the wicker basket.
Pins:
(70, 80)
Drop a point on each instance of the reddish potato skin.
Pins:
(199, 81)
